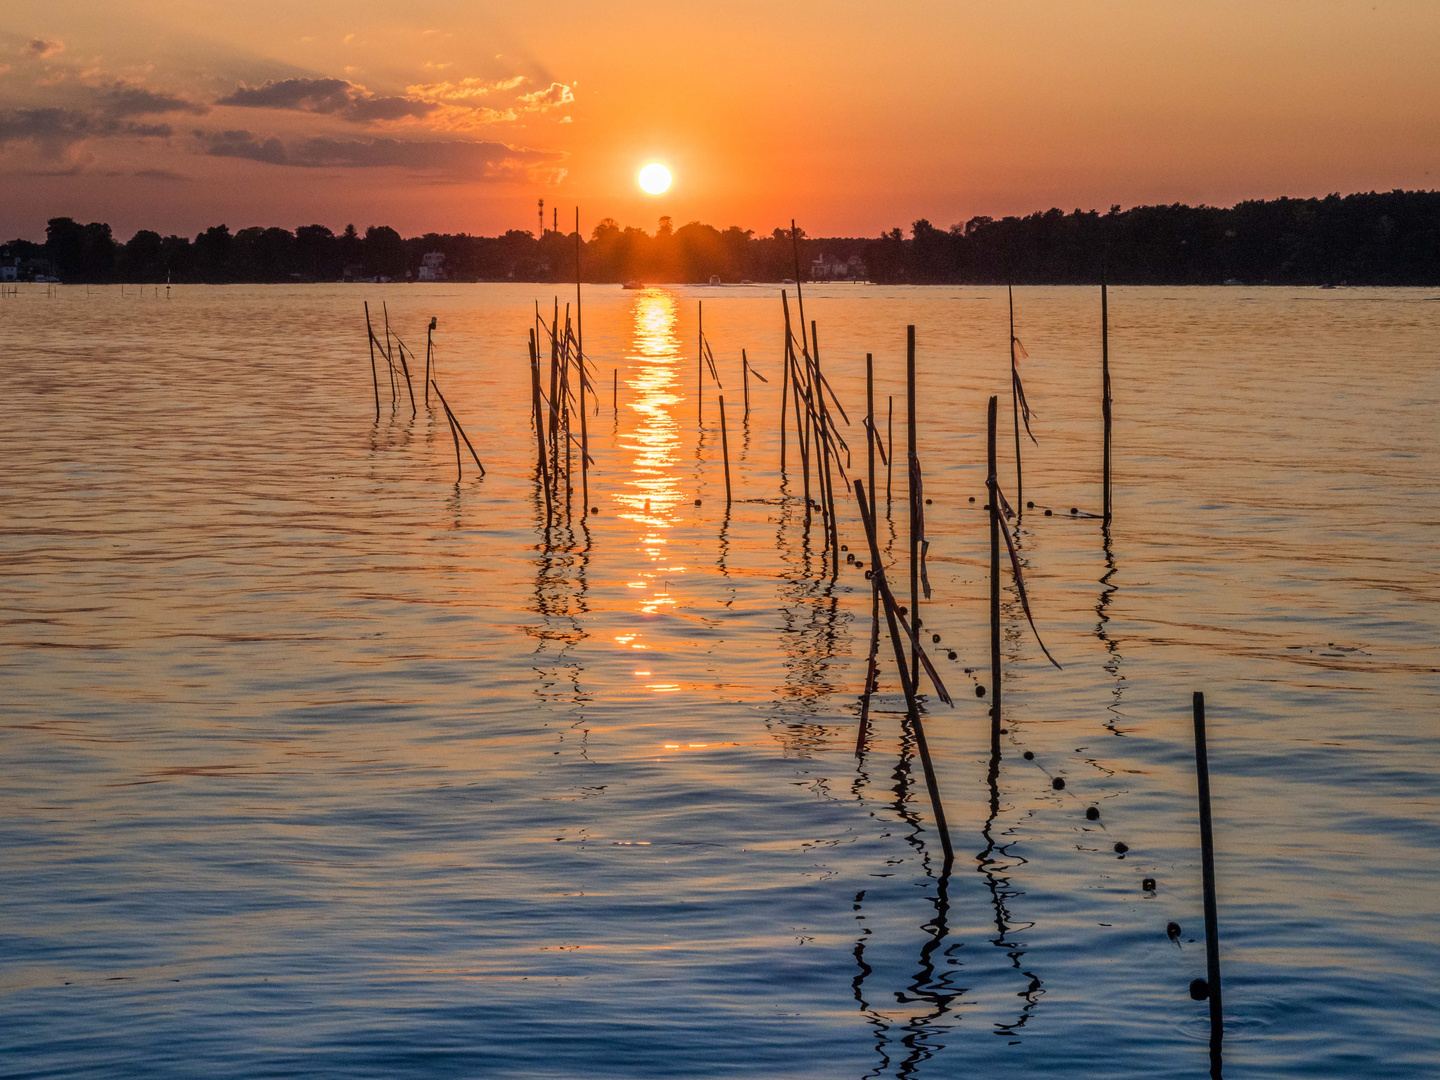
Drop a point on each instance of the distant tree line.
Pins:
(1388, 238)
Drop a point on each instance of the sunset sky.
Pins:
(852, 117)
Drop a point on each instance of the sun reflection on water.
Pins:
(652, 494)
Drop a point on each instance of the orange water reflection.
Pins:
(653, 493)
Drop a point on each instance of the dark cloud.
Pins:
(121, 99)
(303, 95)
(40, 48)
(241, 144)
(329, 97)
(455, 158)
(65, 126)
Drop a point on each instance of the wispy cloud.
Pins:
(337, 97)
(63, 127)
(458, 159)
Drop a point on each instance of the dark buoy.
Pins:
(979, 691)
(1048, 512)
(1121, 847)
(1199, 990)
(850, 557)
(952, 655)
(1029, 755)
(1004, 731)
(928, 501)
(904, 611)
(594, 509)
(1073, 510)
(1172, 930)
(1092, 813)
(844, 547)
(697, 502)
(986, 506)
(935, 638)
(1148, 884)
(1058, 783)
(869, 574)
(1030, 505)
(859, 565)
(972, 498)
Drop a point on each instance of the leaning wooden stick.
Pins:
(580, 363)
(429, 353)
(374, 372)
(1207, 871)
(907, 684)
(871, 664)
(1015, 401)
(915, 511)
(539, 422)
(458, 428)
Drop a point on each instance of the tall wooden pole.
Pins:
(700, 359)
(1207, 870)
(580, 363)
(914, 507)
(1015, 408)
(1105, 388)
(992, 487)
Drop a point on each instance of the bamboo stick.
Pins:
(889, 450)
(1105, 402)
(871, 664)
(992, 487)
(544, 472)
(745, 372)
(906, 682)
(374, 371)
(915, 526)
(458, 428)
(700, 360)
(1015, 408)
(429, 352)
(785, 386)
(580, 363)
(1207, 869)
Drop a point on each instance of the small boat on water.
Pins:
(714, 279)
(633, 285)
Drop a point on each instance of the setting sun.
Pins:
(655, 179)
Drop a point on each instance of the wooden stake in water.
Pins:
(1207, 870)
(539, 422)
(725, 450)
(615, 390)
(374, 372)
(992, 489)
(580, 363)
(700, 359)
(461, 430)
(429, 352)
(784, 384)
(908, 684)
(745, 373)
(872, 664)
(1015, 405)
(1105, 388)
(889, 450)
(914, 507)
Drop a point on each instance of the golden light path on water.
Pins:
(652, 492)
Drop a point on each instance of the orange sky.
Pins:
(852, 117)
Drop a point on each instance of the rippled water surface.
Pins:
(319, 763)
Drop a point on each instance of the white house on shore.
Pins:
(828, 267)
(432, 267)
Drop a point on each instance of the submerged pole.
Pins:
(1207, 870)
(992, 489)
(745, 371)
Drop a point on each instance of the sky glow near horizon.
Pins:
(852, 120)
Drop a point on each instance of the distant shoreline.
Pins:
(1372, 239)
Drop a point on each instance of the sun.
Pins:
(654, 179)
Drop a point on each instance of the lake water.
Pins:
(318, 763)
